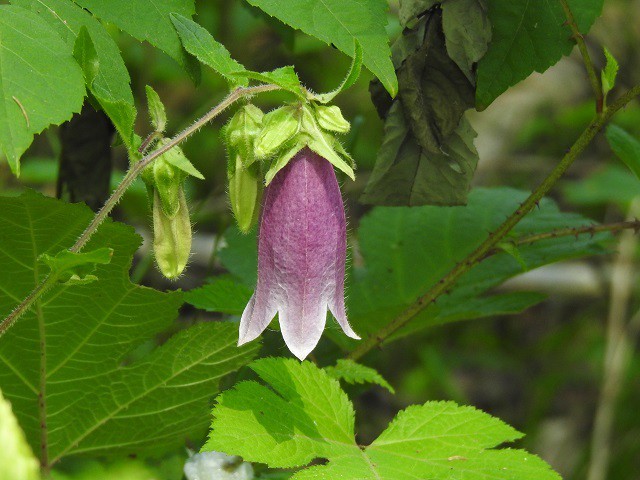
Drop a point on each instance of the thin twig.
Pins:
(586, 58)
(449, 280)
(572, 232)
(617, 350)
(126, 182)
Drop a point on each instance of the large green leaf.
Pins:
(340, 22)
(74, 347)
(40, 82)
(527, 37)
(408, 250)
(110, 82)
(146, 20)
(302, 415)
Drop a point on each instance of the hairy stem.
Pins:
(449, 280)
(126, 182)
(586, 58)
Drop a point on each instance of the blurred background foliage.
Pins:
(541, 370)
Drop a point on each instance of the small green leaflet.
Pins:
(352, 372)
(108, 79)
(76, 267)
(41, 82)
(341, 22)
(626, 148)
(16, 458)
(527, 37)
(157, 113)
(301, 414)
(90, 331)
(609, 73)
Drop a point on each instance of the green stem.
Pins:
(126, 182)
(449, 280)
(586, 58)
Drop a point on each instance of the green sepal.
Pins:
(245, 193)
(278, 127)
(311, 135)
(171, 237)
(240, 132)
(331, 119)
(176, 157)
(157, 113)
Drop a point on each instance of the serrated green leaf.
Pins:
(609, 73)
(626, 147)
(16, 458)
(222, 295)
(157, 113)
(341, 22)
(527, 37)
(110, 84)
(352, 372)
(302, 414)
(467, 32)
(146, 20)
(199, 42)
(349, 80)
(66, 265)
(41, 84)
(96, 402)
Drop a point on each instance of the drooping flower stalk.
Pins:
(301, 255)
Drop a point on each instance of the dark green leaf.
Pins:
(467, 31)
(427, 156)
(407, 174)
(41, 82)
(527, 37)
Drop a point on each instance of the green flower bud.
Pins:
(240, 133)
(168, 185)
(245, 192)
(171, 237)
(330, 118)
(279, 126)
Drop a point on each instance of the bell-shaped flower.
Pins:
(301, 255)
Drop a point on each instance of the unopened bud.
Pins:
(278, 126)
(330, 118)
(171, 237)
(245, 191)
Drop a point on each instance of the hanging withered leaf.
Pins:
(427, 156)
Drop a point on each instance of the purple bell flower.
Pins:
(301, 255)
